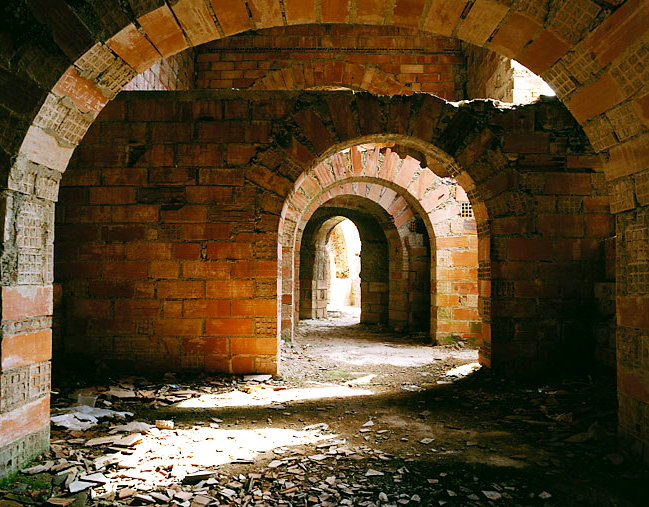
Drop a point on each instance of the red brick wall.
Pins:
(382, 59)
(169, 218)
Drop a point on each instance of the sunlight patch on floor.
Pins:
(179, 452)
(267, 396)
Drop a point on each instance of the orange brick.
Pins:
(600, 226)
(242, 364)
(576, 249)
(616, 33)
(24, 420)
(26, 301)
(568, 184)
(162, 29)
(187, 251)
(513, 35)
(189, 213)
(448, 300)
(83, 92)
(254, 269)
(334, 11)
(633, 384)
(595, 98)
(561, 225)
(545, 49)
(24, 349)
(135, 213)
(217, 363)
(228, 327)
(452, 274)
(232, 17)
(453, 326)
(465, 314)
(206, 308)
(453, 242)
(205, 345)
(221, 250)
(266, 13)
(254, 307)
(227, 289)
(128, 270)
(206, 269)
(299, 11)
(164, 269)
(628, 158)
(443, 16)
(464, 258)
(408, 12)
(172, 309)
(138, 308)
(202, 232)
(465, 287)
(253, 346)
(148, 251)
(196, 21)
(481, 20)
(180, 289)
(209, 195)
(111, 288)
(122, 233)
(179, 327)
(134, 48)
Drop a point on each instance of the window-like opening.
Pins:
(344, 250)
(465, 210)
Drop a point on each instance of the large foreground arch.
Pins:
(594, 56)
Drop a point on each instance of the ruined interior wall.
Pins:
(548, 244)
(165, 261)
(308, 56)
(167, 227)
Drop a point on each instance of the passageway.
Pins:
(361, 416)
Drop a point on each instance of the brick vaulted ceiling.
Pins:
(62, 62)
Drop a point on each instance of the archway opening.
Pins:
(344, 251)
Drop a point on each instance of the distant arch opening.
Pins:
(344, 251)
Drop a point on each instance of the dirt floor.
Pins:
(359, 417)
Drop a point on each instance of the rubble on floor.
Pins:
(335, 433)
(207, 462)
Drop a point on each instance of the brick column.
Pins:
(632, 228)
(26, 346)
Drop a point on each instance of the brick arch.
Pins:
(554, 43)
(392, 282)
(586, 54)
(383, 255)
(406, 192)
(310, 75)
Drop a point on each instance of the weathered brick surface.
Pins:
(195, 267)
(367, 63)
(611, 54)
